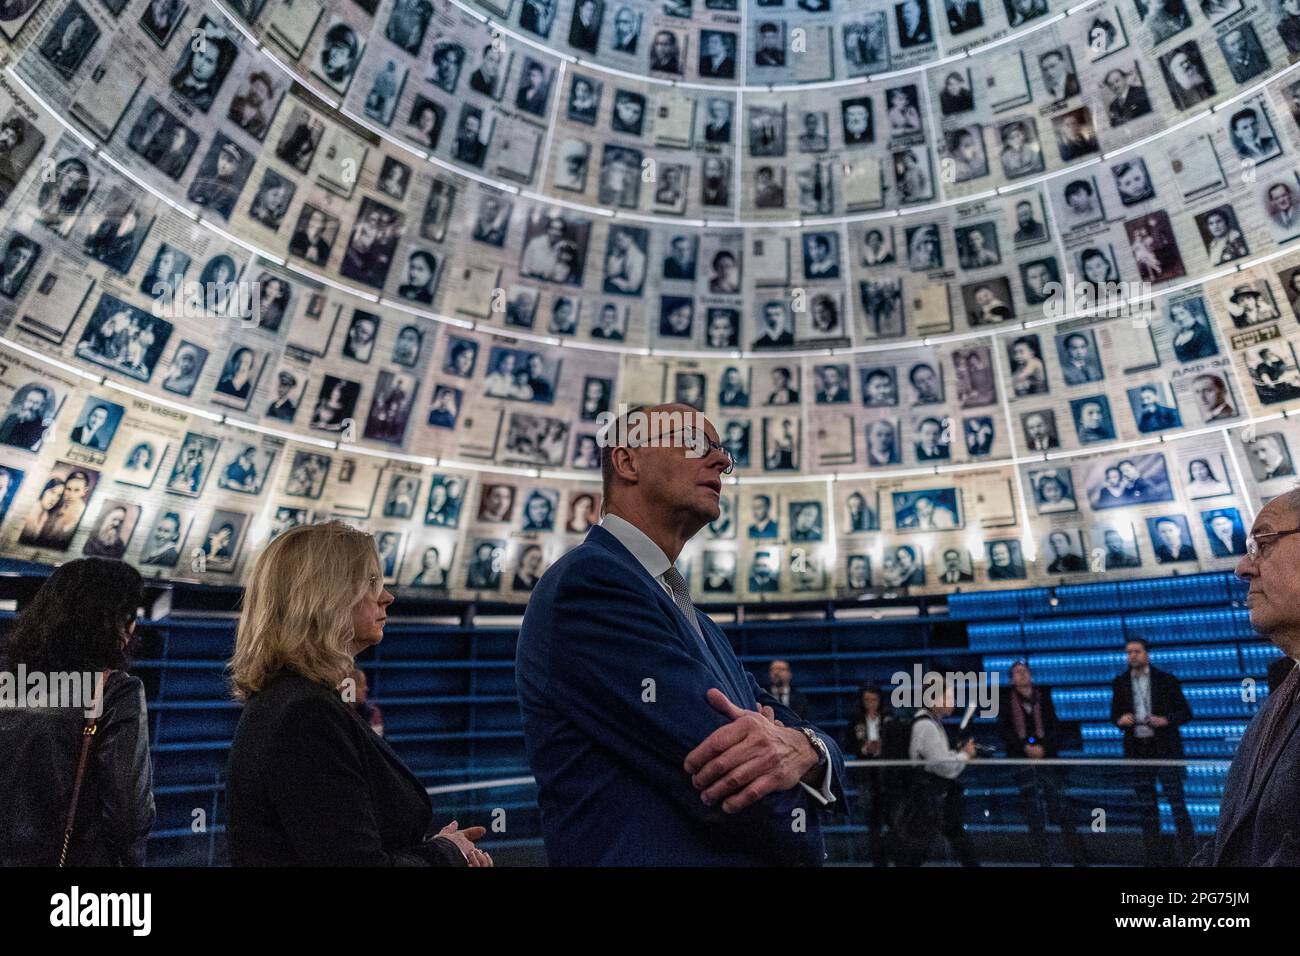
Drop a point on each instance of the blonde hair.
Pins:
(297, 608)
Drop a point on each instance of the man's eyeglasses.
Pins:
(1255, 542)
(697, 441)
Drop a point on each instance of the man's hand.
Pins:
(745, 760)
(464, 841)
(1155, 721)
(1125, 720)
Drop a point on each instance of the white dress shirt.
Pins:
(651, 557)
(929, 742)
(1142, 703)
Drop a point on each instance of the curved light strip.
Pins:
(735, 222)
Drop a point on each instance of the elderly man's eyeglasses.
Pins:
(697, 441)
(1255, 542)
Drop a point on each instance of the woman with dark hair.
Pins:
(79, 624)
(866, 741)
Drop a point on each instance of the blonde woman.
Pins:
(309, 782)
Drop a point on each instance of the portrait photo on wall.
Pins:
(883, 442)
(336, 404)
(57, 512)
(976, 378)
(162, 545)
(521, 375)
(430, 567)
(194, 461)
(390, 407)
(483, 572)
(719, 572)
(247, 469)
(143, 457)
(1063, 551)
(446, 494)
(1273, 372)
(806, 521)
(1154, 407)
(1171, 539)
(540, 508)
(861, 514)
(723, 527)
(1120, 482)
(1192, 335)
(765, 572)
(1004, 560)
(1268, 455)
(902, 567)
(1207, 477)
(936, 509)
(400, 496)
(1119, 545)
(536, 439)
(112, 530)
(1092, 419)
(32, 410)
(979, 433)
(1053, 490)
(307, 475)
(1250, 302)
(1225, 531)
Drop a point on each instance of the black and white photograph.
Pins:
(68, 39)
(307, 475)
(113, 529)
(390, 407)
(1118, 482)
(123, 338)
(205, 64)
(934, 509)
(521, 375)
(1053, 490)
(195, 458)
(61, 504)
(339, 55)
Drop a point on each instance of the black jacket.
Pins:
(39, 749)
(1167, 700)
(1051, 739)
(310, 783)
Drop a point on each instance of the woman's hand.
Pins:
(464, 841)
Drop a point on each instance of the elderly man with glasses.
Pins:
(651, 743)
(1259, 817)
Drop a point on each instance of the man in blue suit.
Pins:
(1259, 818)
(650, 742)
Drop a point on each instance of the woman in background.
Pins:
(309, 781)
(81, 621)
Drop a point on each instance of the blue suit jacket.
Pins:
(612, 686)
(1259, 825)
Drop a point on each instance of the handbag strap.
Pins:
(87, 737)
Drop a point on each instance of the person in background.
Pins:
(1261, 799)
(369, 712)
(866, 741)
(81, 621)
(933, 805)
(779, 678)
(1148, 705)
(1028, 724)
(309, 782)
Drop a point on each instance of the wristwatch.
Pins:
(823, 755)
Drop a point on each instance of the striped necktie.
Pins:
(682, 598)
